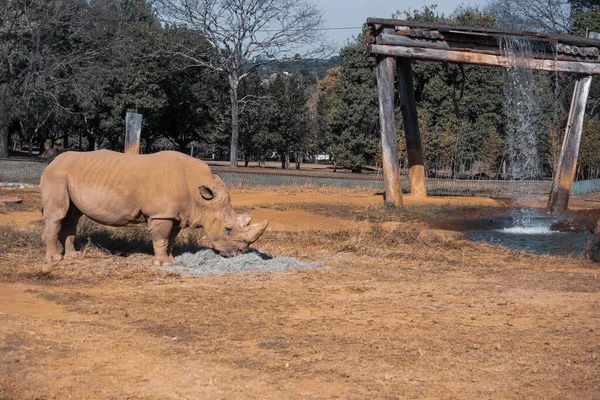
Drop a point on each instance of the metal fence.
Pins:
(587, 186)
(435, 186)
(27, 171)
(13, 170)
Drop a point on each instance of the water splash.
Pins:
(523, 111)
(523, 125)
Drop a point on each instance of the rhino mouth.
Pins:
(229, 253)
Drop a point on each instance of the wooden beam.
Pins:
(558, 201)
(402, 40)
(471, 30)
(389, 143)
(483, 59)
(133, 130)
(410, 120)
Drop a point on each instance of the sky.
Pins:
(353, 13)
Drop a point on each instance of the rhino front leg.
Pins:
(160, 232)
(172, 237)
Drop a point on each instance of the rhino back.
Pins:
(123, 189)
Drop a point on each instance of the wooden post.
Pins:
(133, 130)
(389, 141)
(410, 120)
(567, 163)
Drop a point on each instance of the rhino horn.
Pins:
(243, 220)
(253, 232)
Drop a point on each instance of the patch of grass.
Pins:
(11, 237)
(291, 190)
(377, 242)
(386, 213)
(32, 200)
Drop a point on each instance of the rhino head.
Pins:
(229, 233)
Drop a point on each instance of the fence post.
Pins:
(133, 130)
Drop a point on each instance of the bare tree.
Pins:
(243, 32)
(36, 57)
(533, 15)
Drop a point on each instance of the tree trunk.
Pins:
(66, 142)
(283, 161)
(90, 143)
(4, 132)
(298, 156)
(235, 128)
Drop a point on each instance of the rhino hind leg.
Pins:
(160, 232)
(50, 239)
(55, 205)
(68, 229)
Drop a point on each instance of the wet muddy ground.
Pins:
(389, 316)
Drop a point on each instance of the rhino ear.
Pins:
(206, 193)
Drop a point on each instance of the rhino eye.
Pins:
(229, 230)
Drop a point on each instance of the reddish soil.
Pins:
(389, 317)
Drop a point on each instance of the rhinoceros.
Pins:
(166, 190)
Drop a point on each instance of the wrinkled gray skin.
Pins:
(166, 190)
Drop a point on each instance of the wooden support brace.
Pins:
(410, 120)
(133, 130)
(389, 143)
(567, 163)
(558, 201)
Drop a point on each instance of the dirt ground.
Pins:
(390, 316)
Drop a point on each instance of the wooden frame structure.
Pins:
(396, 42)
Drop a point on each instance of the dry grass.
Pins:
(390, 316)
(384, 213)
(124, 253)
(30, 196)
(307, 188)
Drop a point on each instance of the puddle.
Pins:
(522, 232)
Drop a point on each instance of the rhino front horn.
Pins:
(254, 231)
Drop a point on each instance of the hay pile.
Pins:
(207, 262)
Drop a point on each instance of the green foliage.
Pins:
(585, 15)
(257, 107)
(71, 69)
(288, 123)
(462, 111)
(349, 122)
(589, 156)
(305, 67)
